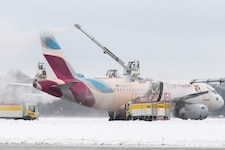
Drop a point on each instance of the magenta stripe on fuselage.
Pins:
(45, 84)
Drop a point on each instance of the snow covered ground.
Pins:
(99, 131)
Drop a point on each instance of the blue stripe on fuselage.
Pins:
(100, 85)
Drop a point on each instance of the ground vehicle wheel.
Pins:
(27, 118)
(129, 117)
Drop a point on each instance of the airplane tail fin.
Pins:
(56, 64)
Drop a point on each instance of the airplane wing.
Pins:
(220, 80)
(66, 85)
(189, 96)
(182, 101)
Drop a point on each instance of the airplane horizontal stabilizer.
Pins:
(66, 85)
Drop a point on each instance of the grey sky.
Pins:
(172, 39)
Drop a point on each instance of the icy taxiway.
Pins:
(100, 131)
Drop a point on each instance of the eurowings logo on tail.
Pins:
(55, 59)
(61, 80)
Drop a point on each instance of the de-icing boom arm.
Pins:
(127, 70)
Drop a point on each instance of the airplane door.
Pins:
(160, 91)
(155, 91)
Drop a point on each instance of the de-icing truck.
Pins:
(26, 111)
(148, 111)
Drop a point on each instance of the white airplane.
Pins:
(190, 100)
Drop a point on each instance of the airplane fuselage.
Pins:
(113, 93)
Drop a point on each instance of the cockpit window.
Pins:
(32, 108)
(214, 92)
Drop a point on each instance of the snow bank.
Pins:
(99, 131)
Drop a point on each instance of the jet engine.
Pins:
(191, 111)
